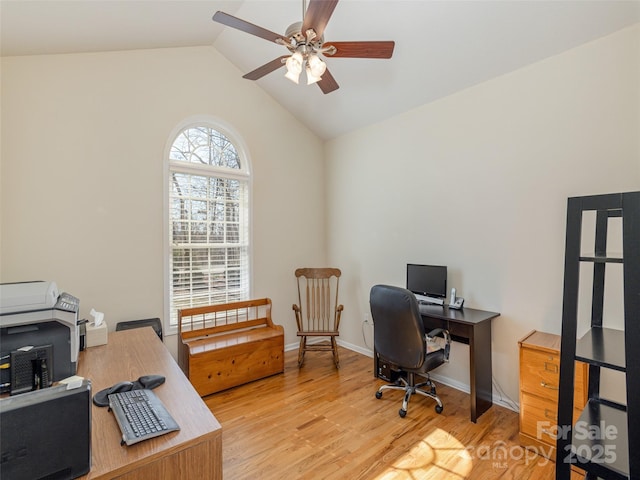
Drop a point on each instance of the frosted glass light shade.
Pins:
(317, 66)
(294, 67)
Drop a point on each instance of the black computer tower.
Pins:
(387, 371)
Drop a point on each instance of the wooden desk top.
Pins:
(128, 355)
(469, 316)
(548, 342)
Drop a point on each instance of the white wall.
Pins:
(83, 139)
(478, 181)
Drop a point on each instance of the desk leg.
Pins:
(480, 369)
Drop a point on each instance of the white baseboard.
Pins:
(348, 346)
(356, 348)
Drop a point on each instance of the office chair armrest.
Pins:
(441, 332)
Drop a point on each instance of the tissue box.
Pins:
(96, 335)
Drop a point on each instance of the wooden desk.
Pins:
(195, 452)
(471, 327)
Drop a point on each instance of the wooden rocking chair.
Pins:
(318, 313)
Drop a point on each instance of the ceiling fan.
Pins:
(305, 42)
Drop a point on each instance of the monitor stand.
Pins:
(432, 300)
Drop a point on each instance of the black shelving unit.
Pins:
(605, 441)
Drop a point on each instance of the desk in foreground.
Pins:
(195, 452)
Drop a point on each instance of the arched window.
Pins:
(208, 192)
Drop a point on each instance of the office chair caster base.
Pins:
(402, 412)
(378, 395)
(439, 409)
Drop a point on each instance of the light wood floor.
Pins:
(319, 422)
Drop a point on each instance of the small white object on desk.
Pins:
(75, 381)
(455, 302)
(96, 331)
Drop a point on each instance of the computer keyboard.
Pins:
(140, 415)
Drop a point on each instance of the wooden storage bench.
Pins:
(223, 346)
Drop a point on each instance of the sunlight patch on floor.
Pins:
(438, 455)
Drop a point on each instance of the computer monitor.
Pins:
(46, 433)
(427, 280)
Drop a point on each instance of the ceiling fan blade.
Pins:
(317, 15)
(237, 23)
(266, 68)
(361, 49)
(328, 84)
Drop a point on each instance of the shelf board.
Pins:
(609, 452)
(601, 258)
(603, 347)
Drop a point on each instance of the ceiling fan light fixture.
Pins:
(305, 41)
(294, 67)
(294, 77)
(316, 66)
(311, 78)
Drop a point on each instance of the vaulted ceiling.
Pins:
(440, 46)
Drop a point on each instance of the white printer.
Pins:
(27, 296)
(34, 314)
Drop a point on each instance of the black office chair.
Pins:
(399, 338)
(146, 322)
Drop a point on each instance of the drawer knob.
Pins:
(546, 385)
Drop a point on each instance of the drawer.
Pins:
(538, 418)
(461, 332)
(538, 376)
(539, 373)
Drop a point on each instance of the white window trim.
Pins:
(244, 173)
